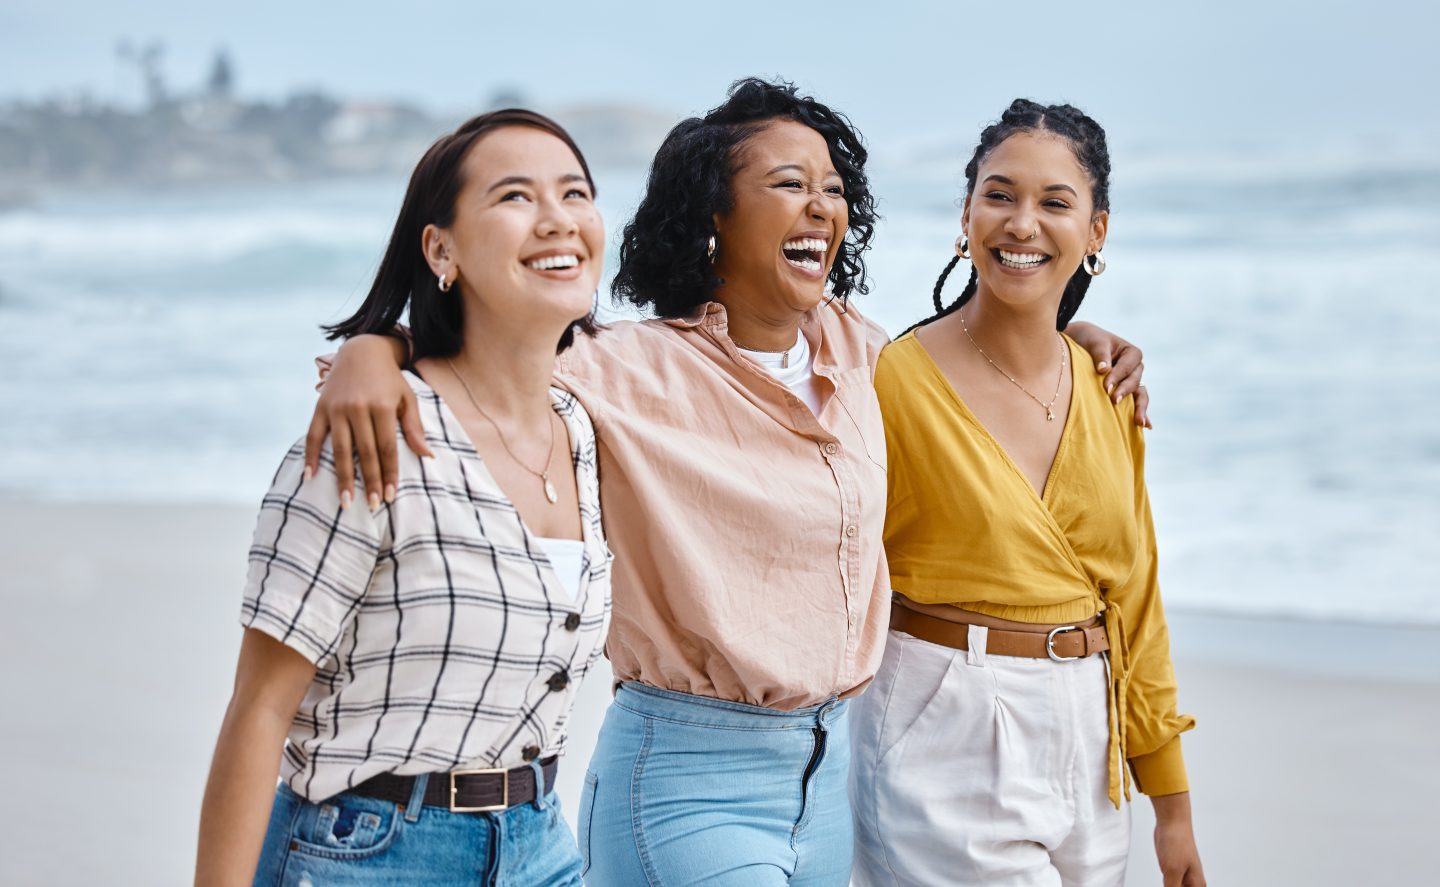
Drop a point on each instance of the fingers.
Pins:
(365, 448)
(314, 442)
(341, 448)
(382, 423)
(1142, 407)
(410, 424)
(1124, 376)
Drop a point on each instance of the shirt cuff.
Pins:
(1162, 771)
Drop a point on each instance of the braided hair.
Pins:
(1086, 139)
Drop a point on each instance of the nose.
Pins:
(556, 220)
(1023, 222)
(822, 206)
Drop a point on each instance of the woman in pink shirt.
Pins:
(742, 464)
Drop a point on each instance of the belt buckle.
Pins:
(486, 808)
(1050, 644)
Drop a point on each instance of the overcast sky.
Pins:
(1145, 68)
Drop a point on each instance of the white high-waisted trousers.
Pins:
(977, 769)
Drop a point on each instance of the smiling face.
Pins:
(1031, 219)
(526, 242)
(777, 243)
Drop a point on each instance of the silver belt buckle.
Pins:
(1050, 644)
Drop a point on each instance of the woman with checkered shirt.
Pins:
(409, 662)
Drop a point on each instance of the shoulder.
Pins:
(847, 321)
(1090, 386)
(617, 345)
(898, 360)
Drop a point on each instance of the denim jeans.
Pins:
(690, 790)
(352, 839)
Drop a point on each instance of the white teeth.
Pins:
(807, 264)
(549, 262)
(807, 244)
(1022, 260)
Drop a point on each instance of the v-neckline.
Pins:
(1042, 495)
(549, 577)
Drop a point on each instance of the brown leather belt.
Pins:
(1061, 644)
(466, 791)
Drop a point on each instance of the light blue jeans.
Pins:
(690, 790)
(352, 839)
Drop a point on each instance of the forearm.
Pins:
(1171, 809)
(239, 795)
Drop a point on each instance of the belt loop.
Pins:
(417, 798)
(978, 637)
(539, 772)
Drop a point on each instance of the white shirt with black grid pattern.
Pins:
(441, 636)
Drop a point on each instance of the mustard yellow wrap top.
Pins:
(965, 527)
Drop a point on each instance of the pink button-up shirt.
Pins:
(746, 529)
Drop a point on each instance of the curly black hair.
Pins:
(1087, 140)
(664, 267)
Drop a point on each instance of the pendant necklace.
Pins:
(544, 473)
(1059, 382)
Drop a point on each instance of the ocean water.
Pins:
(159, 348)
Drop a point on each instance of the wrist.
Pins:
(1171, 809)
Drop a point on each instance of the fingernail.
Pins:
(374, 500)
(309, 473)
(389, 492)
(1103, 365)
(345, 498)
(1110, 389)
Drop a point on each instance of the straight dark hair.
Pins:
(404, 277)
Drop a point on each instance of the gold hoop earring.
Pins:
(962, 246)
(444, 286)
(1098, 267)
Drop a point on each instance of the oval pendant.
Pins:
(1049, 416)
(550, 491)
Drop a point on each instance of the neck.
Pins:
(1022, 339)
(509, 371)
(755, 332)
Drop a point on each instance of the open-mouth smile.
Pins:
(806, 253)
(1019, 261)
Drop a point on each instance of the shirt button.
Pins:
(530, 752)
(559, 681)
(831, 449)
(851, 530)
(572, 622)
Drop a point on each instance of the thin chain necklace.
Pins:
(1059, 382)
(784, 355)
(543, 474)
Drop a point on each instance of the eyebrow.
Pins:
(800, 169)
(1005, 181)
(526, 180)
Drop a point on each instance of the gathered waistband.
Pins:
(707, 711)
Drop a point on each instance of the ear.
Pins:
(438, 247)
(1099, 227)
(965, 215)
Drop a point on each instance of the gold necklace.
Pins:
(784, 355)
(1059, 382)
(543, 474)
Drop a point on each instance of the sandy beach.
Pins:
(1315, 761)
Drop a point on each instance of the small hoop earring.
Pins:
(1098, 267)
(710, 248)
(962, 246)
(444, 286)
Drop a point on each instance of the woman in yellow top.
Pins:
(1028, 659)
